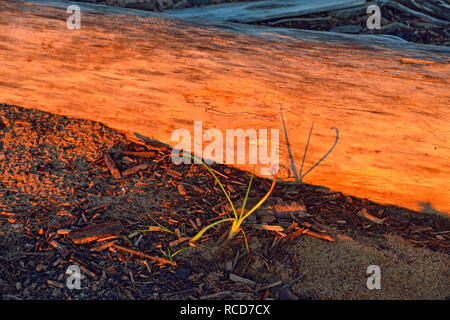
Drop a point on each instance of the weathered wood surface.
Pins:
(145, 73)
(263, 10)
(95, 232)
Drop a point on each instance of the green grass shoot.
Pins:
(237, 219)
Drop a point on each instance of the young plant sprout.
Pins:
(158, 228)
(169, 255)
(237, 219)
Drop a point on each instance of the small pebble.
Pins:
(40, 267)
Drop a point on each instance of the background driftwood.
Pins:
(263, 10)
(151, 74)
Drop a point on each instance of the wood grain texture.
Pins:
(151, 74)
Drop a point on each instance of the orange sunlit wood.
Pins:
(153, 75)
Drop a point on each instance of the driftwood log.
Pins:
(255, 11)
(150, 74)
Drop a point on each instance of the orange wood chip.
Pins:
(364, 214)
(112, 166)
(95, 232)
(319, 235)
(269, 227)
(141, 154)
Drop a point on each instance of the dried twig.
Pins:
(287, 285)
(319, 235)
(364, 214)
(111, 166)
(236, 278)
(271, 285)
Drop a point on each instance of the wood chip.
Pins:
(231, 188)
(268, 227)
(111, 166)
(95, 232)
(274, 284)
(63, 231)
(174, 173)
(103, 246)
(141, 154)
(423, 229)
(40, 267)
(296, 233)
(181, 189)
(364, 214)
(178, 241)
(138, 240)
(194, 225)
(106, 238)
(296, 208)
(55, 284)
(88, 272)
(61, 249)
(134, 234)
(135, 169)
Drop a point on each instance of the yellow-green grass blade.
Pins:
(262, 200)
(201, 232)
(248, 191)
(164, 229)
(217, 179)
(178, 251)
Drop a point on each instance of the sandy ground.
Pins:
(49, 181)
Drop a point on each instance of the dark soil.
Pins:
(54, 182)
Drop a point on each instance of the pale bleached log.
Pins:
(144, 72)
(255, 11)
